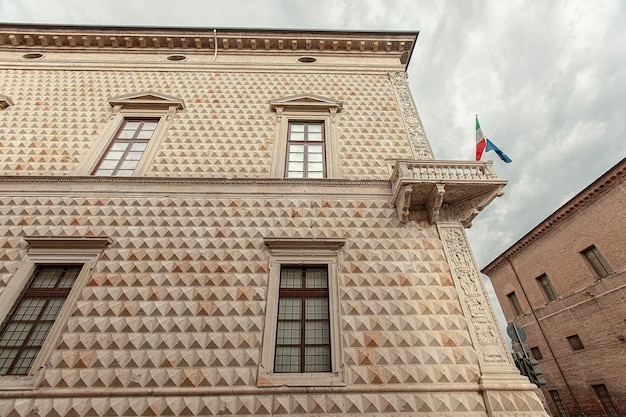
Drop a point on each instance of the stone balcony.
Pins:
(448, 191)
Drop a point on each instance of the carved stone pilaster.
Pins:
(483, 329)
(504, 390)
(412, 122)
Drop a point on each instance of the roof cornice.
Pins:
(609, 180)
(28, 37)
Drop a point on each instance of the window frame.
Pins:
(305, 108)
(546, 285)
(305, 143)
(606, 400)
(49, 251)
(514, 303)
(305, 295)
(536, 352)
(116, 139)
(597, 262)
(302, 252)
(575, 342)
(43, 297)
(558, 403)
(146, 105)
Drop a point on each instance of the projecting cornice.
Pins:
(231, 40)
(614, 177)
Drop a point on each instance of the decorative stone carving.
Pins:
(306, 103)
(487, 341)
(448, 191)
(412, 121)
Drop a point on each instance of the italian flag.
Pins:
(485, 145)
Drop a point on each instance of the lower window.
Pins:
(28, 323)
(303, 326)
(302, 336)
(605, 398)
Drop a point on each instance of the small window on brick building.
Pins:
(515, 303)
(605, 399)
(547, 287)
(558, 403)
(597, 261)
(575, 342)
(536, 353)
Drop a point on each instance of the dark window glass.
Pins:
(305, 150)
(547, 287)
(515, 303)
(127, 147)
(303, 326)
(607, 402)
(597, 261)
(25, 329)
(575, 342)
(536, 353)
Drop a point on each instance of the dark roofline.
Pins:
(610, 179)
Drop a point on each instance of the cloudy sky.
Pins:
(547, 79)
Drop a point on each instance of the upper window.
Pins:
(129, 142)
(305, 145)
(597, 261)
(127, 147)
(547, 287)
(513, 300)
(26, 327)
(575, 342)
(536, 353)
(302, 339)
(305, 151)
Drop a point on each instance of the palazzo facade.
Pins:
(236, 222)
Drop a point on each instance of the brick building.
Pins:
(235, 222)
(564, 283)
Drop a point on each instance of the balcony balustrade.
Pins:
(447, 191)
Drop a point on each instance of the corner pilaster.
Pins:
(412, 122)
(504, 390)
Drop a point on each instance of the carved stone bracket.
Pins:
(434, 201)
(448, 191)
(412, 122)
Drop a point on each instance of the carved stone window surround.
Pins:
(306, 108)
(296, 251)
(49, 250)
(138, 105)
